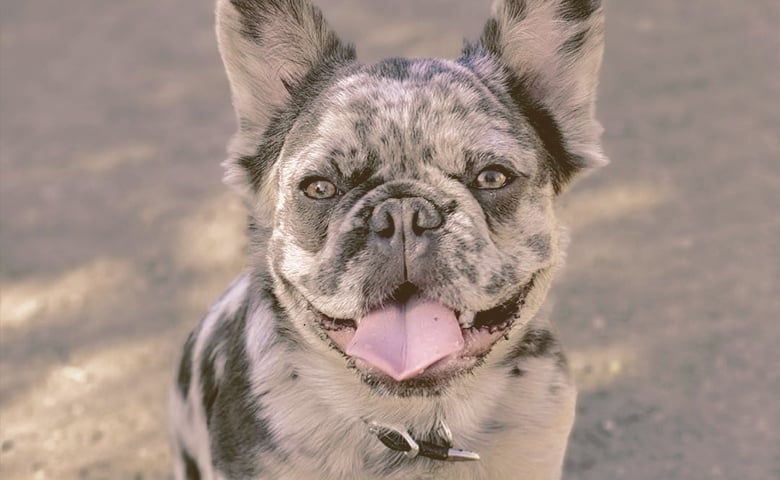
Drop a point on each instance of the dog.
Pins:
(403, 239)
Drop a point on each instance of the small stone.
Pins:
(38, 472)
(615, 367)
(75, 374)
(608, 426)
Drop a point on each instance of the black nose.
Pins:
(405, 218)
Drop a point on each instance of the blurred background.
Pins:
(116, 233)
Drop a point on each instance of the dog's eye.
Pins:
(319, 189)
(491, 178)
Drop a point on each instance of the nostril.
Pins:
(386, 227)
(417, 226)
(382, 223)
(425, 217)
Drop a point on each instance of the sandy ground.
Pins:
(116, 232)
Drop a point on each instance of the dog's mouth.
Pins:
(410, 338)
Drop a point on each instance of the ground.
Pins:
(116, 232)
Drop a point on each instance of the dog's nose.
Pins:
(405, 218)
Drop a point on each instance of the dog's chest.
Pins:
(519, 440)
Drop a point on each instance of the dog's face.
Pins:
(410, 202)
(410, 179)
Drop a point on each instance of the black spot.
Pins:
(185, 367)
(350, 245)
(285, 332)
(216, 349)
(459, 110)
(283, 328)
(430, 70)
(427, 153)
(191, 470)
(362, 127)
(561, 163)
(578, 10)
(561, 361)
(573, 45)
(239, 429)
(499, 281)
(535, 343)
(516, 372)
(311, 221)
(493, 426)
(218, 346)
(392, 68)
(540, 244)
(489, 43)
(394, 137)
(256, 15)
(209, 387)
(467, 270)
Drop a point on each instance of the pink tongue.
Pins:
(402, 340)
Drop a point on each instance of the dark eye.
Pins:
(319, 189)
(491, 178)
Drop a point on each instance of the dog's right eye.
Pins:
(319, 189)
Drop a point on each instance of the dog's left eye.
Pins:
(491, 178)
(319, 189)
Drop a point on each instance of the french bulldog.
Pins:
(403, 239)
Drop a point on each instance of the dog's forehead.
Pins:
(404, 114)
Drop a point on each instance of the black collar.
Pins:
(399, 439)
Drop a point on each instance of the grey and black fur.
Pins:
(262, 392)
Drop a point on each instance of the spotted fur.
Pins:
(261, 391)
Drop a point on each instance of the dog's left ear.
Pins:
(553, 49)
(270, 48)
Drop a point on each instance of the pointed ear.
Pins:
(553, 49)
(270, 48)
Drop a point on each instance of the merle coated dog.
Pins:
(403, 239)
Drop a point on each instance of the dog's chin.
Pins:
(480, 334)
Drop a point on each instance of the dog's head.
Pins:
(409, 202)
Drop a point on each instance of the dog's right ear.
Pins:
(270, 48)
(553, 48)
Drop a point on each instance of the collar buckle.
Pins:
(395, 438)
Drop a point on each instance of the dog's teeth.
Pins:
(466, 319)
